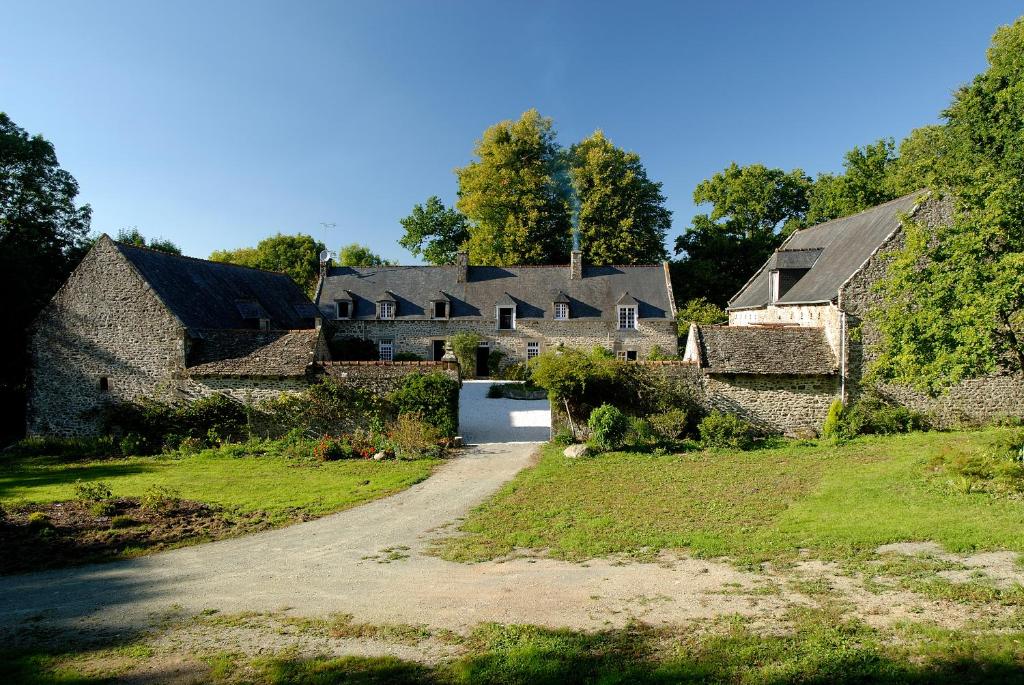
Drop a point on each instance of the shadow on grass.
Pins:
(21, 477)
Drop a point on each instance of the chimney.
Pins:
(461, 267)
(576, 258)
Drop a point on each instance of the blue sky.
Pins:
(215, 123)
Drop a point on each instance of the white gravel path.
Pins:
(499, 420)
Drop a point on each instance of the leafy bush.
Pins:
(997, 470)
(670, 425)
(835, 427)
(657, 354)
(332, 449)
(719, 429)
(408, 357)
(517, 371)
(699, 311)
(66, 448)
(464, 345)
(640, 431)
(325, 408)
(39, 521)
(433, 396)
(873, 415)
(413, 438)
(494, 363)
(160, 499)
(146, 424)
(365, 443)
(104, 508)
(92, 491)
(608, 427)
(216, 418)
(131, 444)
(564, 437)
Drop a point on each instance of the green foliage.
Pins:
(43, 234)
(332, 449)
(122, 521)
(296, 255)
(608, 427)
(517, 371)
(835, 426)
(752, 208)
(434, 231)
(38, 521)
(408, 357)
(325, 408)
(873, 415)
(719, 429)
(148, 425)
(672, 424)
(412, 437)
(434, 397)
(92, 491)
(132, 443)
(997, 470)
(866, 182)
(355, 254)
(513, 195)
(494, 363)
(66, 448)
(464, 345)
(160, 499)
(132, 236)
(622, 213)
(103, 508)
(701, 312)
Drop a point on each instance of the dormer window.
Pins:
(440, 310)
(561, 311)
(627, 317)
(505, 313)
(343, 309)
(385, 309)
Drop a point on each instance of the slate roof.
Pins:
(770, 350)
(834, 250)
(233, 352)
(212, 295)
(534, 289)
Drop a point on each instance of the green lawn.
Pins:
(763, 504)
(230, 477)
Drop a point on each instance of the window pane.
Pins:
(532, 349)
(387, 350)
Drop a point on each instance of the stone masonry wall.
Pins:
(247, 390)
(383, 377)
(104, 322)
(972, 402)
(417, 336)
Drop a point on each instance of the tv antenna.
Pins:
(328, 225)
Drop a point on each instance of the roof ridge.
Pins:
(863, 211)
(196, 259)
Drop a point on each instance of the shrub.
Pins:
(104, 508)
(412, 438)
(364, 443)
(122, 521)
(699, 311)
(719, 429)
(332, 449)
(433, 396)
(670, 425)
(325, 408)
(873, 415)
(215, 419)
(66, 448)
(835, 428)
(640, 431)
(133, 443)
(564, 437)
(160, 499)
(464, 345)
(494, 363)
(39, 521)
(92, 491)
(608, 427)
(408, 357)
(517, 371)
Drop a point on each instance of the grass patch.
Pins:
(229, 477)
(839, 502)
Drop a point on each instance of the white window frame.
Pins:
(386, 310)
(561, 311)
(774, 281)
(626, 318)
(386, 350)
(532, 346)
(497, 313)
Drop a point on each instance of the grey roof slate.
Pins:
(844, 245)
(234, 352)
(208, 295)
(789, 350)
(534, 289)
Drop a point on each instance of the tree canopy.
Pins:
(296, 255)
(434, 231)
(622, 216)
(954, 298)
(132, 236)
(355, 254)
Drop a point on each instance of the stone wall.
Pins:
(417, 336)
(383, 377)
(972, 402)
(104, 323)
(248, 390)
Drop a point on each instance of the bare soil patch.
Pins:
(60, 534)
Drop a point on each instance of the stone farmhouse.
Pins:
(133, 322)
(799, 335)
(518, 311)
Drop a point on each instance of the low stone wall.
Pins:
(245, 389)
(968, 404)
(383, 377)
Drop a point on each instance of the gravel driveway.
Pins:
(482, 419)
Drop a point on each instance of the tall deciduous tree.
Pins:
(752, 208)
(954, 298)
(132, 236)
(622, 214)
(355, 254)
(296, 255)
(434, 231)
(513, 196)
(867, 181)
(42, 231)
